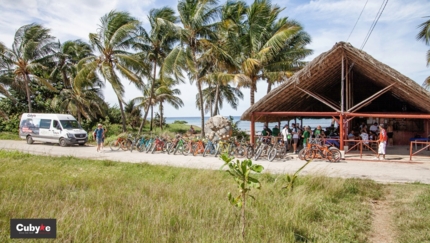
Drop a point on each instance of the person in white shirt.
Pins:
(374, 128)
(286, 135)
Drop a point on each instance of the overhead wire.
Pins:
(375, 21)
(357, 20)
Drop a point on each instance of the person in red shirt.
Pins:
(382, 141)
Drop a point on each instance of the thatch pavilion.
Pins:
(350, 86)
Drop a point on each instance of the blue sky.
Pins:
(392, 42)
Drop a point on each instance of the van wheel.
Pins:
(29, 139)
(63, 142)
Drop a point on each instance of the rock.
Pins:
(218, 126)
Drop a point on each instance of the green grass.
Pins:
(105, 201)
(9, 136)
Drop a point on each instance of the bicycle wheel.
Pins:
(179, 147)
(272, 154)
(208, 149)
(301, 154)
(140, 146)
(166, 147)
(114, 145)
(154, 147)
(249, 152)
(258, 153)
(148, 146)
(123, 145)
(188, 148)
(334, 155)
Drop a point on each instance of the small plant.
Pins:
(241, 172)
(291, 179)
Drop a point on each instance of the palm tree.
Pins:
(225, 93)
(166, 93)
(33, 47)
(156, 45)
(70, 53)
(289, 59)
(424, 35)
(198, 24)
(87, 102)
(260, 43)
(133, 113)
(117, 33)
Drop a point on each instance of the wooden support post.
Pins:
(252, 129)
(341, 132)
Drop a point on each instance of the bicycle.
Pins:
(210, 148)
(198, 147)
(131, 142)
(159, 145)
(264, 149)
(278, 150)
(117, 144)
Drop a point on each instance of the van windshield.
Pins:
(70, 124)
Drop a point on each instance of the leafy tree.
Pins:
(261, 42)
(32, 49)
(198, 24)
(155, 46)
(424, 35)
(117, 33)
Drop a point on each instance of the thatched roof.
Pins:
(322, 76)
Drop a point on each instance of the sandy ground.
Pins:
(381, 171)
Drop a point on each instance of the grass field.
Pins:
(105, 201)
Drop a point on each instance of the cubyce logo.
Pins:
(33, 228)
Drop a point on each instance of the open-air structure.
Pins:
(350, 86)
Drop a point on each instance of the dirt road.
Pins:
(378, 171)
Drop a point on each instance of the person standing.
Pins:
(295, 132)
(275, 131)
(306, 135)
(99, 136)
(286, 135)
(382, 142)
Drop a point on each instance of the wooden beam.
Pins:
(321, 99)
(390, 115)
(370, 99)
(252, 129)
(295, 113)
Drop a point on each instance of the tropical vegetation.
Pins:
(424, 35)
(219, 48)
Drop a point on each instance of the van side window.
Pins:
(45, 123)
(56, 124)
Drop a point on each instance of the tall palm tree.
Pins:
(117, 33)
(69, 55)
(260, 44)
(32, 49)
(424, 35)
(156, 45)
(133, 113)
(198, 24)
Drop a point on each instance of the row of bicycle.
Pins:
(268, 147)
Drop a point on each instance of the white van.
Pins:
(53, 128)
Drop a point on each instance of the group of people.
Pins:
(376, 133)
(295, 136)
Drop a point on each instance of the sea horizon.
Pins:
(246, 125)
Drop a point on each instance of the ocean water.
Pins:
(246, 125)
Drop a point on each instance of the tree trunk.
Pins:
(252, 91)
(124, 126)
(269, 86)
(152, 93)
(79, 115)
(161, 115)
(27, 90)
(66, 82)
(210, 102)
(142, 124)
(216, 100)
(199, 88)
(152, 118)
